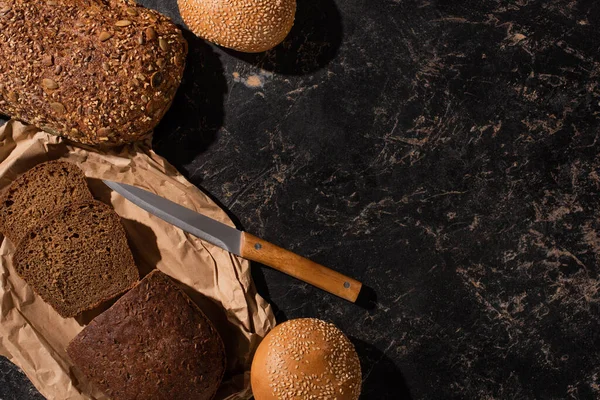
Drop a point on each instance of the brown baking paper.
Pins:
(34, 336)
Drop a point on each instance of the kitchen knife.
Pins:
(240, 243)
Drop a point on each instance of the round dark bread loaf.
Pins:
(94, 71)
(154, 343)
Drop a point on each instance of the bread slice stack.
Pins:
(71, 249)
(154, 342)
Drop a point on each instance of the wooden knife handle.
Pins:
(256, 249)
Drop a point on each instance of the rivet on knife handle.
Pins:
(256, 249)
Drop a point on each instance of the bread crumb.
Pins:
(254, 81)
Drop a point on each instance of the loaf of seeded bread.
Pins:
(38, 192)
(94, 71)
(77, 257)
(153, 343)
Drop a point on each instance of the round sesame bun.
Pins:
(306, 359)
(250, 26)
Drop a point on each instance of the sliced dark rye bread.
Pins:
(77, 258)
(154, 343)
(38, 192)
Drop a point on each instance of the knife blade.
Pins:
(240, 243)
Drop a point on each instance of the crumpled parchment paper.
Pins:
(34, 336)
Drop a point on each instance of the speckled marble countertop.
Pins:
(444, 153)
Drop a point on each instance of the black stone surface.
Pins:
(444, 153)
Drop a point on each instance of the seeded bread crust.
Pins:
(153, 343)
(94, 71)
(37, 193)
(306, 358)
(77, 258)
(249, 26)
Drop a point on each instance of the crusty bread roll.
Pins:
(94, 71)
(250, 26)
(306, 359)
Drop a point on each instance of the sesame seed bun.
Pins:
(306, 359)
(250, 26)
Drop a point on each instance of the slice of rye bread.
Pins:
(77, 258)
(38, 192)
(153, 343)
